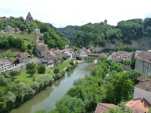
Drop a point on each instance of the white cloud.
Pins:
(77, 12)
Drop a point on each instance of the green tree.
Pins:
(41, 69)
(119, 87)
(70, 105)
(31, 68)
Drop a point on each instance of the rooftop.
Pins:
(138, 105)
(145, 56)
(29, 17)
(104, 107)
(5, 61)
(144, 83)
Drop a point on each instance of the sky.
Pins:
(61, 13)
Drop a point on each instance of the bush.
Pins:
(41, 69)
(31, 68)
(14, 73)
(56, 70)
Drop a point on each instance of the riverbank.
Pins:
(103, 84)
(47, 99)
(17, 88)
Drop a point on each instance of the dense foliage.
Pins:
(10, 42)
(31, 68)
(17, 87)
(108, 83)
(41, 68)
(51, 37)
(16, 25)
(101, 34)
(19, 23)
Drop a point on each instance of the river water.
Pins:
(47, 99)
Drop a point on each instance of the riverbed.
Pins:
(47, 99)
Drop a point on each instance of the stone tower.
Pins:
(29, 18)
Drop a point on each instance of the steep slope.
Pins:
(129, 34)
(20, 26)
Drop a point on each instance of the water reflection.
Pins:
(47, 99)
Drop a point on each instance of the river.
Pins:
(47, 99)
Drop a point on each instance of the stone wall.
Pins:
(143, 67)
(141, 93)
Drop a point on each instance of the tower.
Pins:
(29, 18)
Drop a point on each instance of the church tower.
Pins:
(29, 18)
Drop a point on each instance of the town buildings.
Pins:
(143, 63)
(143, 89)
(121, 56)
(5, 64)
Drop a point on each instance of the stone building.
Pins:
(121, 56)
(143, 89)
(143, 63)
(41, 47)
(41, 50)
(5, 65)
(29, 18)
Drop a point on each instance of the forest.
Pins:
(100, 34)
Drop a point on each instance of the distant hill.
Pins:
(127, 35)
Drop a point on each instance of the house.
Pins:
(68, 53)
(22, 57)
(143, 89)
(5, 64)
(104, 107)
(138, 105)
(83, 53)
(3, 18)
(143, 63)
(121, 56)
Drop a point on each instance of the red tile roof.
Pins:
(138, 105)
(104, 107)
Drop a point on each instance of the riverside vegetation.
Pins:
(18, 87)
(108, 82)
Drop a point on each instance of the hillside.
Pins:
(23, 31)
(129, 34)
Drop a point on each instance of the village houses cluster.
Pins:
(44, 55)
(141, 101)
(142, 91)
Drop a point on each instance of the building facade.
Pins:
(143, 63)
